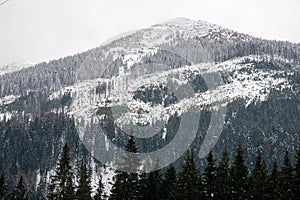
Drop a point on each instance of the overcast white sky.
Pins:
(39, 30)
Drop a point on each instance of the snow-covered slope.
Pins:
(138, 62)
(243, 81)
(16, 66)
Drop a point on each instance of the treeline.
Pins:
(223, 179)
(61, 186)
(29, 143)
(197, 50)
(20, 192)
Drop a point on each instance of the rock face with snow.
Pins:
(243, 90)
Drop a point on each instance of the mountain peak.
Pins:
(189, 28)
(184, 23)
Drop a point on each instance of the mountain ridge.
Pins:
(152, 77)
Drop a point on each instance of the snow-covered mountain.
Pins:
(147, 81)
(16, 66)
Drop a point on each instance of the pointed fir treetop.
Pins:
(84, 188)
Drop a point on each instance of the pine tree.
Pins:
(239, 176)
(272, 184)
(223, 189)
(100, 189)
(296, 185)
(153, 184)
(120, 188)
(209, 178)
(258, 179)
(84, 189)
(61, 186)
(20, 192)
(188, 180)
(70, 190)
(168, 183)
(286, 177)
(127, 184)
(3, 187)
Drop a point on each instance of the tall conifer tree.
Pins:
(223, 189)
(239, 176)
(84, 189)
(188, 180)
(209, 178)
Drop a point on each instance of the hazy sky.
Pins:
(39, 30)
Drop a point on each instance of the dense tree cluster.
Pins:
(223, 179)
(20, 191)
(155, 95)
(63, 185)
(32, 142)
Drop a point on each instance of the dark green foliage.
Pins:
(239, 176)
(3, 187)
(70, 190)
(296, 186)
(34, 142)
(155, 95)
(37, 103)
(84, 189)
(187, 184)
(127, 184)
(168, 58)
(20, 192)
(223, 188)
(153, 185)
(258, 178)
(209, 178)
(61, 186)
(168, 183)
(272, 184)
(286, 177)
(198, 83)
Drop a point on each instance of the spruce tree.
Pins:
(84, 189)
(120, 188)
(126, 184)
(239, 176)
(188, 180)
(3, 187)
(61, 186)
(209, 187)
(70, 190)
(296, 185)
(20, 192)
(153, 184)
(223, 189)
(168, 183)
(272, 184)
(286, 177)
(258, 179)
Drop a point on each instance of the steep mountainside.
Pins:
(149, 83)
